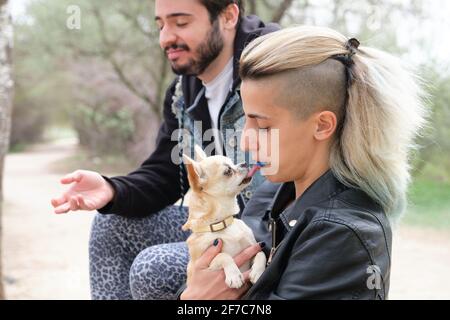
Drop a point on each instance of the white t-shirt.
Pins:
(216, 93)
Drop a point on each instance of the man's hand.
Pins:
(88, 191)
(210, 285)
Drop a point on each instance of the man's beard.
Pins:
(207, 52)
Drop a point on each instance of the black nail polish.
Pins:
(216, 242)
(262, 244)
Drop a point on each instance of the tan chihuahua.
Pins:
(215, 182)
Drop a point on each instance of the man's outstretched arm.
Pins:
(150, 188)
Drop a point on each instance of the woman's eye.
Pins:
(180, 25)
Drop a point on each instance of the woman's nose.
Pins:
(249, 141)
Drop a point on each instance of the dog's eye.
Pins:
(228, 172)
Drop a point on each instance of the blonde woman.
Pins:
(346, 117)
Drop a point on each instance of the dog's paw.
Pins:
(234, 279)
(255, 273)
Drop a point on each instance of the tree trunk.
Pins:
(6, 86)
(281, 11)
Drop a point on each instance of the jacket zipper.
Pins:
(273, 227)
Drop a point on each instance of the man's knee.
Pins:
(104, 228)
(158, 272)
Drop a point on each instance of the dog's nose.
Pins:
(243, 165)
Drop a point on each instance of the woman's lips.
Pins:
(175, 54)
(258, 166)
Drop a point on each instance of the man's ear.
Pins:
(231, 16)
(194, 172)
(199, 153)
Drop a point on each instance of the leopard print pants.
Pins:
(143, 258)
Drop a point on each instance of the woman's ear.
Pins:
(326, 123)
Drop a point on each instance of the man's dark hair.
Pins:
(216, 7)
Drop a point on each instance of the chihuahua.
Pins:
(215, 182)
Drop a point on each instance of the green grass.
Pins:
(429, 204)
(17, 148)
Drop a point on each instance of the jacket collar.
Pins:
(324, 188)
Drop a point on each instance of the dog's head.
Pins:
(216, 176)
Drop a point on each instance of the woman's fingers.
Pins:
(72, 177)
(248, 254)
(205, 260)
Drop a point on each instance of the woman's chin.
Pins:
(274, 178)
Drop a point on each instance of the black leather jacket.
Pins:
(334, 242)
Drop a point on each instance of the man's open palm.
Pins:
(88, 191)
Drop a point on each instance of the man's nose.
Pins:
(167, 38)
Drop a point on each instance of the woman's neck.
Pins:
(311, 174)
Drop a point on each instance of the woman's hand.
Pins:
(205, 284)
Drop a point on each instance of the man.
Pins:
(137, 247)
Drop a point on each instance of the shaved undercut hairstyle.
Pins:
(377, 100)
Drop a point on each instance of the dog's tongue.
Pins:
(253, 170)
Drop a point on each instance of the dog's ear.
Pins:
(195, 173)
(199, 153)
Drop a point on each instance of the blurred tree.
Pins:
(269, 10)
(373, 22)
(6, 86)
(108, 76)
(434, 147)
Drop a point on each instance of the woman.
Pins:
(346, 117)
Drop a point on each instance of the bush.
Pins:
(28, 122)
(103, 131)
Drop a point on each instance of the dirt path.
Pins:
(420, 264)
(45, 255)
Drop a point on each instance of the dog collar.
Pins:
(215, 227)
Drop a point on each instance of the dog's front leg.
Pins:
(233, 276)
(258, 266)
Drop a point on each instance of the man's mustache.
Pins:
(176, 47)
